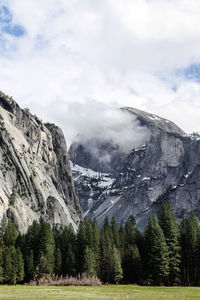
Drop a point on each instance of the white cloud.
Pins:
(110, 51)
(98, 121)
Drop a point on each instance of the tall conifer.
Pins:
(157, 260)
(190, 232)
(90, 264)
(170, 228)
(117, 272)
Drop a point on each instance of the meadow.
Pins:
(111, 292)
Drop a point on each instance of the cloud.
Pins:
(95, 122)
(114, 52)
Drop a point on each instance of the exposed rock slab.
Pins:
(35, 175)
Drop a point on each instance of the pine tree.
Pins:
(46, 247)
(29, 266)
(19, 265)
(88, 236)
(157, 260)
(107, 229)
(96, 245)
(106, 252)
(80, 247)
(131, 231)
(32, 244)
(58, 261)
(190, 232)
(90, 267)
(1, 261)
(132, 265)
(67, 247)
(122, 239)
(10, 234)
(170, 228)
(117, 272)
(10, 270)
(115, 232)
(69, 261)
(131, 261)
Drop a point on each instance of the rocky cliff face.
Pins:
(167, 165)
(35, 175)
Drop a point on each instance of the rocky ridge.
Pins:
(166, 166)
(35, 175)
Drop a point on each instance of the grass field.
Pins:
(119, 292)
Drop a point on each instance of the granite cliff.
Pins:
(35, 174)
(165, 166)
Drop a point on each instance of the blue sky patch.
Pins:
(5, 15)
(15, 30)
(6, 24)
(192, 72)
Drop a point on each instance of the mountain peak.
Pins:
(165, 166)
(152, 121)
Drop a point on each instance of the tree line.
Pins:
(165, 253)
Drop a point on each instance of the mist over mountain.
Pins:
(164, 165)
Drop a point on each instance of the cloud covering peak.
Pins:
(95, 121)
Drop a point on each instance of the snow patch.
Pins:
(154, 118)
(103, 180)
(130, 169)
(146, 178)
(193, 136)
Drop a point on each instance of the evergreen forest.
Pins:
(166, 253)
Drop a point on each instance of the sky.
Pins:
(71, 58)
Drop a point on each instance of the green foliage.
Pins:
(131, 230)
(190, 249)
(132, 265)
(58, 262)
(115, 232)
(10, 265)
(1, 260)
(106, 256)
(67, 247)
(165, 253)
(29, 265)
(88, 237)
(170, 228)
(10, 234)
(19, 265)
(46, 247)
(1, 266)
(157, 259)
(117, 272)
(69, 262)
(90, 267)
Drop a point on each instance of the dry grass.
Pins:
(66, 281)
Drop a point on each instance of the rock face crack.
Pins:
(35, 175)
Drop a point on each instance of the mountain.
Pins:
(35, 175)
(165, 166)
